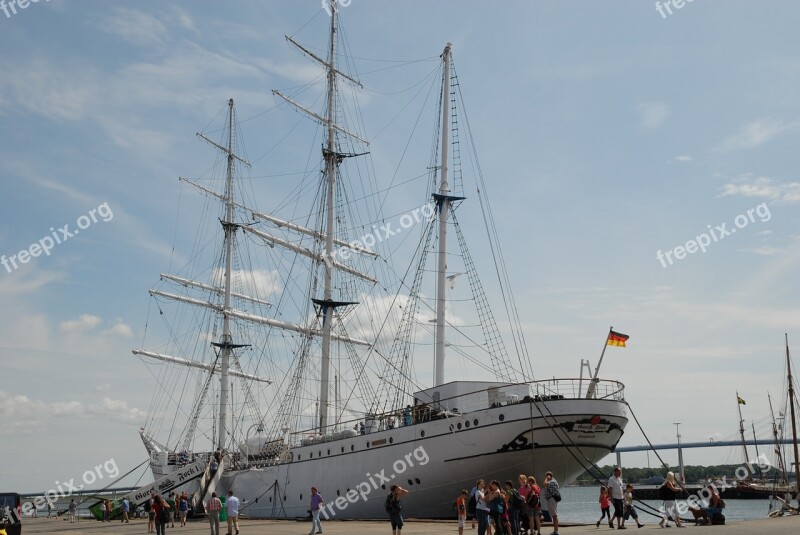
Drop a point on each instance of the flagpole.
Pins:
(591, 390)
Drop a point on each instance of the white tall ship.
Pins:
(287, 353)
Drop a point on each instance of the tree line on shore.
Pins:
(693, 473)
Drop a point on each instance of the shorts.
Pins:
(618, 507)
(462, 521)
(397, 520)
(552, 507)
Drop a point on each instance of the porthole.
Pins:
(391, 440)
(299, 457)
(383, 486)
(368, 444)
(352, 447)
(475, 421)
(319, 454)
(337, 492)
(466, 424)
(451, 427)
(284, 498)
(301, 497)
(329, 452)
(342, 449)
(422, 433)
(270, 499)
(459, 426)
(416, 479)
(311, 455)
(410, 482)
(501, 417)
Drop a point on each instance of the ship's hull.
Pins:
(434, 460)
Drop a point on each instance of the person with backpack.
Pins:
(535, 504)
(151, 513)
(515, 507)
(496, 506)
(481, 507)
(461, 509)
(552, 495)
(160, 510)
(395, 508)
(473, 503)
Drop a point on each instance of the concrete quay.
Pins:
(44, 526)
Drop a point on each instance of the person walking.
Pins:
(516, 506)
(316, 507)
(232, 508)
(183, 508)
(214, 506)
(668, 492)
(126, 507)
(151, 513)
(630, 509)
(49, 507)
(605, 508)
(552, 495)
(395, 508)
(73, 508)
(161, 510)
(173, 507)
(617, 491)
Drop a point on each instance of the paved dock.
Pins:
(784, 525)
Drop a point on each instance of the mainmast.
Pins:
(794, 424)
(443, 201)
(330, 172)
(775, 434)
(226, 341)
(741, 433)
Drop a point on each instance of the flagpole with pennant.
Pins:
(613, 339)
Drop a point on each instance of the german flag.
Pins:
(617, 339)
(740, 400)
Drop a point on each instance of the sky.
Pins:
(640, 164)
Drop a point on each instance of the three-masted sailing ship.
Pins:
(286, 392)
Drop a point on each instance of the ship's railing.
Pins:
(495, 396)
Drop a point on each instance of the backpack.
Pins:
(391, 505)
(533, 499)
(472, 504)
(498, 506)
(515, 500)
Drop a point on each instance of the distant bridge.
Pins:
(706, 444)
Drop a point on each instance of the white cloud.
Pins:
(86, 322)
(762, 187)
(755, 134)
(652, 114)
(21, 413)
(119, 329)
(683, 158)
(135, 27)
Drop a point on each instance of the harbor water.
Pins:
(580, 505)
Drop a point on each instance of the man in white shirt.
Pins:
(617, 494)
(232, 507)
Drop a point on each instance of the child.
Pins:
(461, 508)
(630, 509)
(605, 507)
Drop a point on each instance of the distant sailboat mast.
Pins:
(794, 423)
